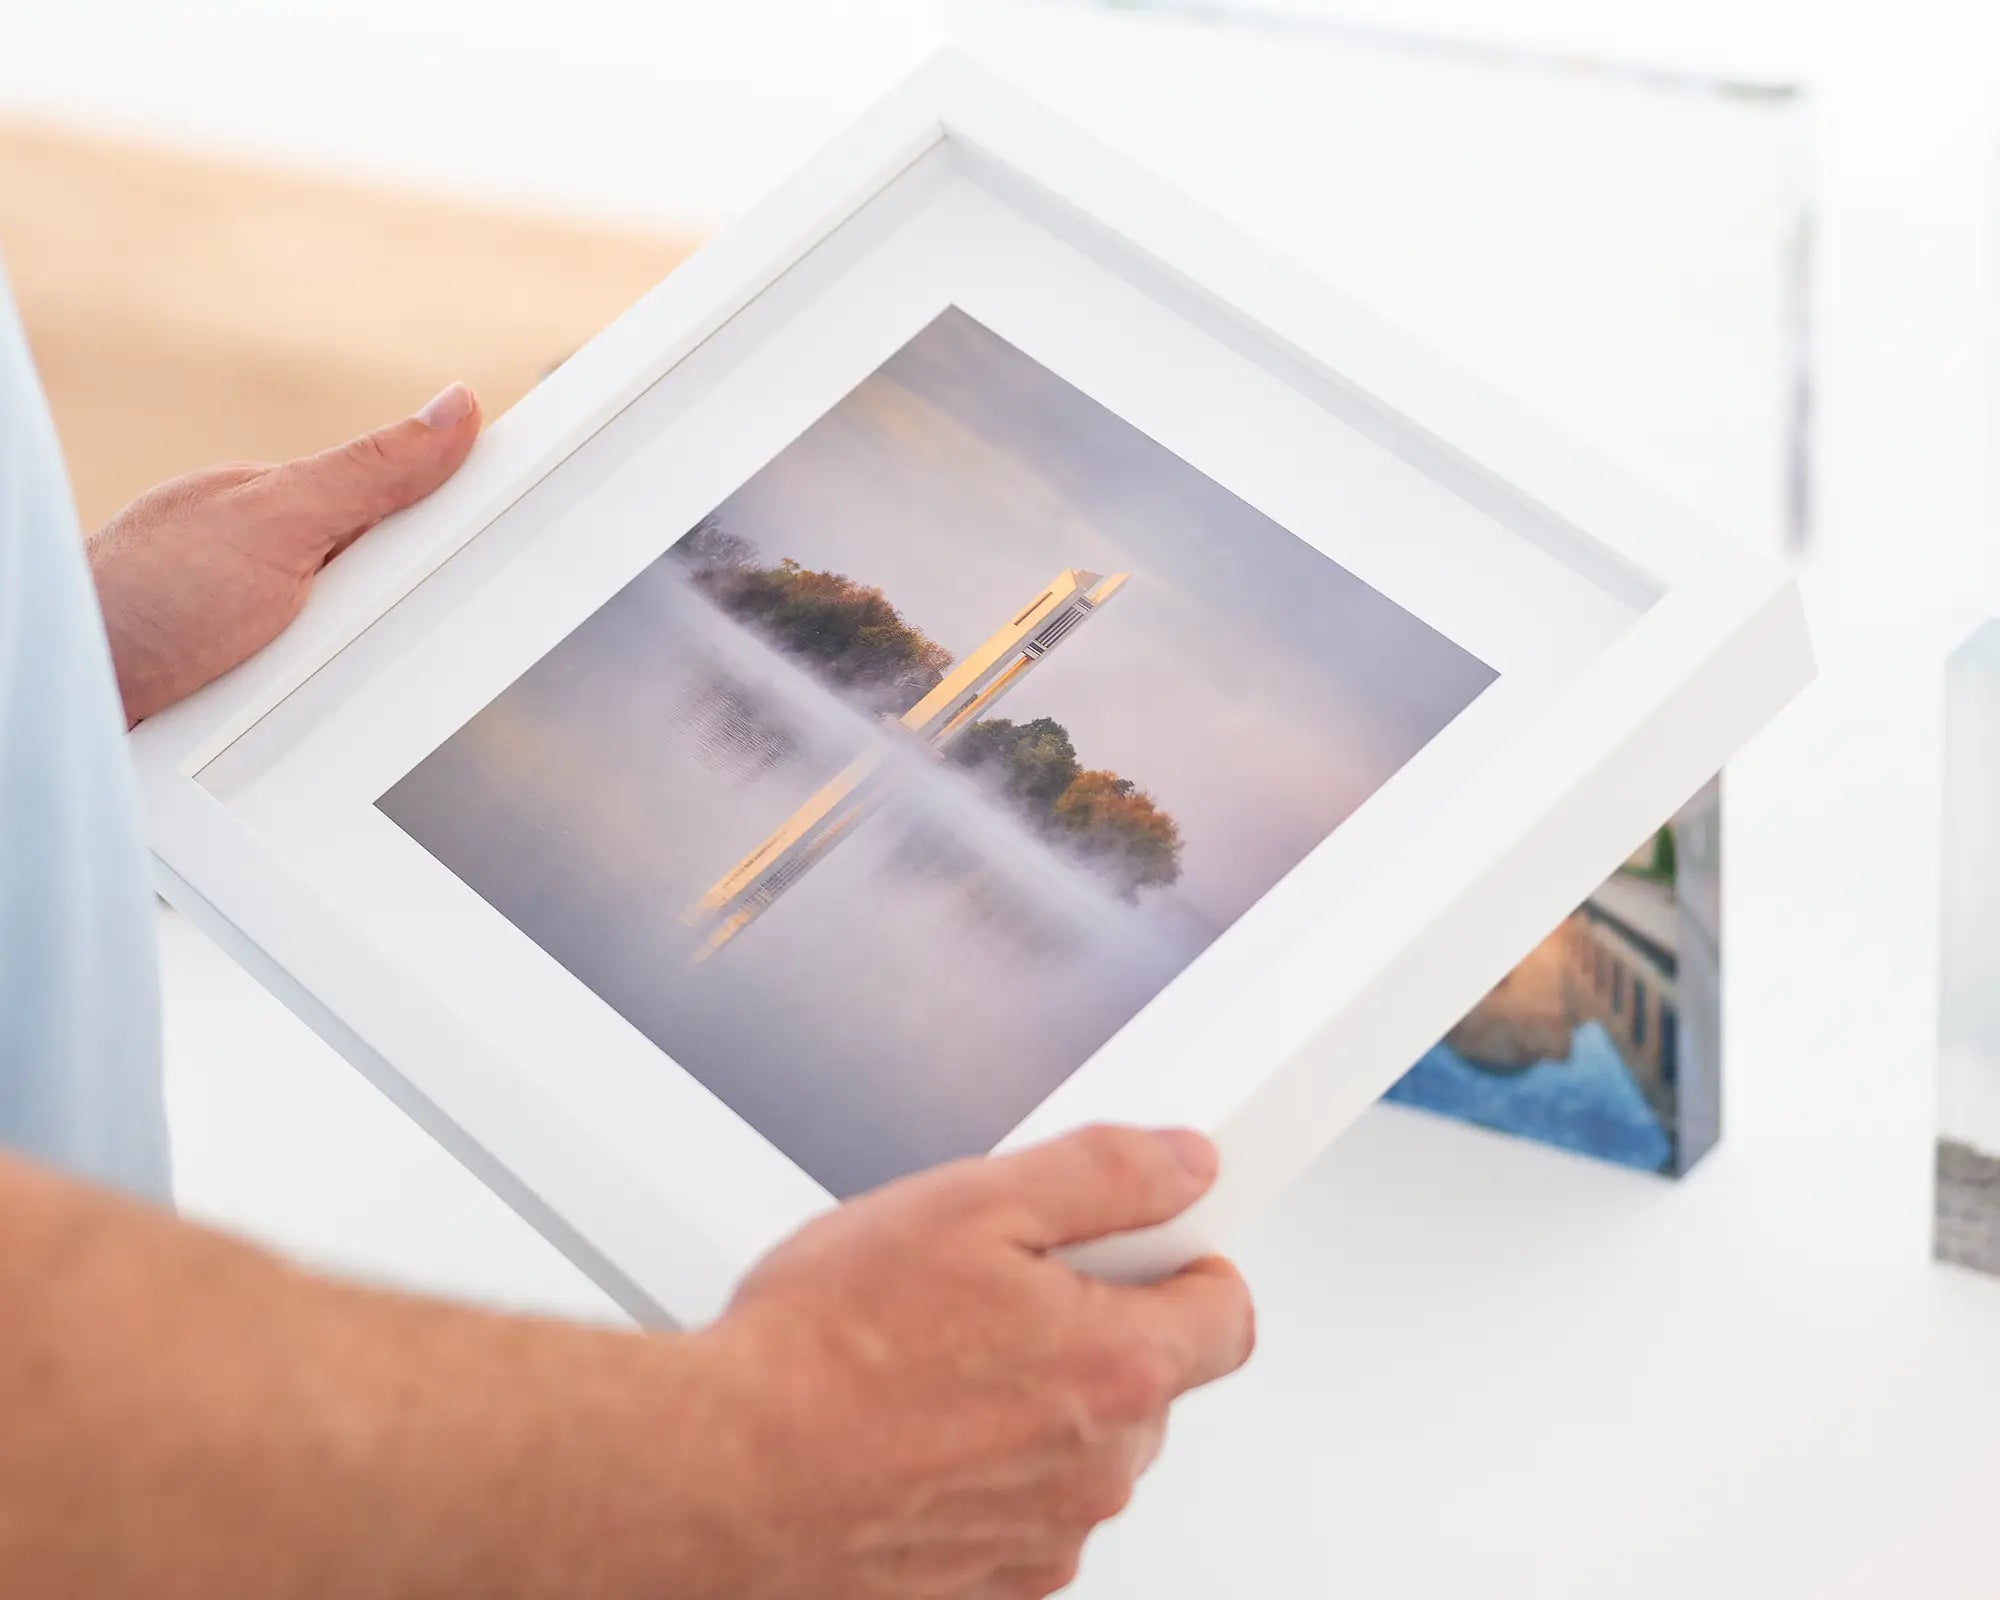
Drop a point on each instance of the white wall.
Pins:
(1623, 257)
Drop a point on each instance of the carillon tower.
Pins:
(968, 692)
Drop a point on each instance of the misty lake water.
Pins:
(908, 1000)
(1587, 1102)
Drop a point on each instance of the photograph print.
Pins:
(1607, 1039)
(918, 766)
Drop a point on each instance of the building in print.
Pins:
(1606, 1039)
(971, 689)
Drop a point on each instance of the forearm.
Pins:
(185, 1414)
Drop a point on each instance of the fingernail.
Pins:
(448, 408)
(1191, 1150)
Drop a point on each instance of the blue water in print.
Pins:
(1587, 1103)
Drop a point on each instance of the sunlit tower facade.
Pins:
(962, 697)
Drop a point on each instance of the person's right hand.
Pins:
(936, 1405)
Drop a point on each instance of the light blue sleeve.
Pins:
(79, 993)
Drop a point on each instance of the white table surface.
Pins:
(1486, 1369)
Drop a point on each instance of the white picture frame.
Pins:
(1631, 653)
(1965, 1196)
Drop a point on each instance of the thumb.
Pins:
(330, 499)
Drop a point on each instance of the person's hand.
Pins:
(934, 1404)
(203, 572)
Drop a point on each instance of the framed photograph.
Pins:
(981, 649)
(1967, 1195)
(1606, 1040)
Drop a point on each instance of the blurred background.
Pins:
(1746, 249)
(305, 213)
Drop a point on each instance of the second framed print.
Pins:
(1606, 1040)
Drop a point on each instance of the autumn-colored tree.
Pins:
(1106, 820)
(846, 633)
(1115, 825)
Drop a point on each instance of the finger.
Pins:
(1143, 1446)
(1030, 1583)
(328, 500)
(1203, 1316)
(1099, 1181)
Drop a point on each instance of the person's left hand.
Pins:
(203, 572)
